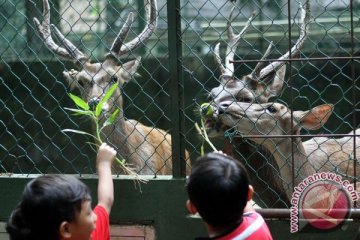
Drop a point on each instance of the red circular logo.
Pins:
(325, 204)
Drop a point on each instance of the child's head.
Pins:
(50, 208)
(218, 189)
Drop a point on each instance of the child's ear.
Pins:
(250, 193)
(64, 230)
(190, 207)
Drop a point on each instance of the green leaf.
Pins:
(121, 162)
(202, 150)
(107, 96)
(78, 132)
(79, 102)
(114, 115)
(99, 108)
(111, 119)
(79, 111)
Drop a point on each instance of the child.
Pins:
(219, 190)
(57, 207)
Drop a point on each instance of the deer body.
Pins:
(318, 154)
(146, 149)
(334, 154)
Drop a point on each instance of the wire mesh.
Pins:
(324, 71)
(34, 93)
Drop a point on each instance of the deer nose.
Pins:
(93, 103)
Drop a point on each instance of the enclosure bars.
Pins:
(284, 213)
(176, 88)
(291, 95)
(352, 65)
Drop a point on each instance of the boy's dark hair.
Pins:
(218, 187)
(46, 202)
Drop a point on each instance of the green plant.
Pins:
(205, 110)
(95, 115)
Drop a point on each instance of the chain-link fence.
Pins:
(177, 73)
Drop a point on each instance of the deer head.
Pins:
(93, 79)
(269, 119)
(270, 125)
(263, 82)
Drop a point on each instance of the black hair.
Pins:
(46, 202)
(218, 187)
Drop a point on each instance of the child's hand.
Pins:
(106, 154)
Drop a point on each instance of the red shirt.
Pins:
(102, 230)
(252, 227)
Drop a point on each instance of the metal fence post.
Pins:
(176, 87)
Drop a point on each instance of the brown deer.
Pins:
(281, 126)
(263, 82)
(146, 149)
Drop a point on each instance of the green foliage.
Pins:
(205, 110)
(95, 115)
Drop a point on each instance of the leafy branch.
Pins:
(95, 115)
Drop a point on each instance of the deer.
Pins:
(277, 129)
(146, 149)
(264, 82)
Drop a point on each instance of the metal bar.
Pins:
(176, 88)
(142, 22)
(285, 213)
(297, 59)
(295, 136)
(353, 86)
(291, 96)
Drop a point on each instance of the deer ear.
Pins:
(129, 69)
(314, 118)
(274, 81)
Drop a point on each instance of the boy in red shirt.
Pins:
(58, 207)
(219, 190)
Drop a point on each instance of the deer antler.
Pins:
(70, 51)
(274, 66)
(120, 48)
(260, 64)
(228, 69)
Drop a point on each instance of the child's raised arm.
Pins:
(104, 160)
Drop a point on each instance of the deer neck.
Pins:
(287, 151)
(125, 136)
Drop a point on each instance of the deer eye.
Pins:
(81, 83)
(244, 99)
(271, 109)
(113, 79)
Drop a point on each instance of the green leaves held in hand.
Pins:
(84, 109)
